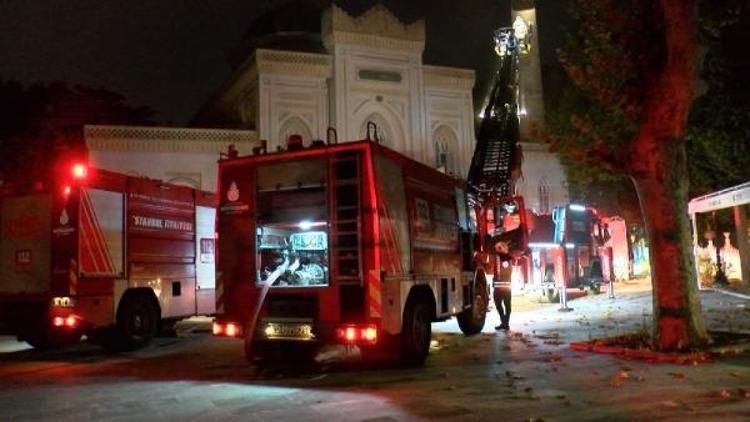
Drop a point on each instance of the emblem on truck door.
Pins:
(233, 194)
(64, 219)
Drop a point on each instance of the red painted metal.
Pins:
(156, 237)
(379, 247)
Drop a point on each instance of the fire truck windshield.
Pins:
(292, 224)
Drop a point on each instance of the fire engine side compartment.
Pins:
(420, 218)
(161, 244)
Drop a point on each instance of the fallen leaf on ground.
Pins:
(724, 394)
(669, 403)
(618, 379)
(676, 374)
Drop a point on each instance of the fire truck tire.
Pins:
(416, 333)
(137, 322)
(471, 320)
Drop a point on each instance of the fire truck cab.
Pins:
(88, 251)
(347, 243)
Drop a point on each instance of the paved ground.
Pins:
(529, 374)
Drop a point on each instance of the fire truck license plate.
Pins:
(295, 331)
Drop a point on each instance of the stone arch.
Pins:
(390, 129)
(447, 151)
(385, 133)
(294, 125)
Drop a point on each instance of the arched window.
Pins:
(543, 195)
(294, 126)
(385, 134)
(446, 150)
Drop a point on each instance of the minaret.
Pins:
(531, 102)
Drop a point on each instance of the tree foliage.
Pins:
(610, 57)
(38, 120)
(632, 67)
(719, 127)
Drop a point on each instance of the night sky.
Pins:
(171, 56)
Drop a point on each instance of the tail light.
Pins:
(79, 171)
(230, 329)
(353, 334)
(70, 321)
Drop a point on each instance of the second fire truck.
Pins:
(88, 251)
(348, 243)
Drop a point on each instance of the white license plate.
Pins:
(289, 331)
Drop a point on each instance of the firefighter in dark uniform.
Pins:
(507, 247)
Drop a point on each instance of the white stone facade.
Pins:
(372, 71)
(542, 184)
(176, 155)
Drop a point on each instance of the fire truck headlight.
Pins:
(58, 321)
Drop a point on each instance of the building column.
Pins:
(743, 242)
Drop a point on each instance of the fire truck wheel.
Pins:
(471, 320)
(136, 324)
(416, 332)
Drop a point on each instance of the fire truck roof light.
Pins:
(305, 225)
(79, 171)
(576, 207)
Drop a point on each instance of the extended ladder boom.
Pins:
(494, 155)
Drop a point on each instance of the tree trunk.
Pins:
(658, 166)
(678, 322)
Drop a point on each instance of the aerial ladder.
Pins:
(501, 215)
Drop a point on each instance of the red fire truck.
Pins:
(103, 254)
(347, 243)
(570, 249)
